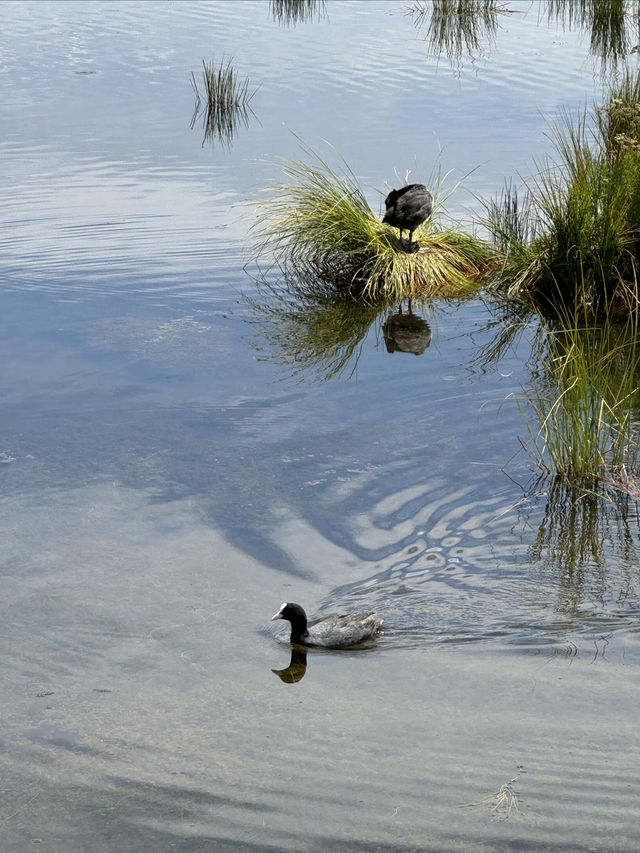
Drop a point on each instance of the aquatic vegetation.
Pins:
(581, 405)
(574, 239)
(291, 12)
(585, 397)
(571, 256)
(319, 225)
(577, 524)
(503, 802)
(224, 101)
(613, 25)
(308, 329)
(457, 27)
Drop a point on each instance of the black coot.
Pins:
(334, 632)
(407, 208)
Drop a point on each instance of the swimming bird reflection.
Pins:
(297, 667)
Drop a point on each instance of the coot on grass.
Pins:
(407, 208)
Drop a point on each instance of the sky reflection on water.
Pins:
(165, 481)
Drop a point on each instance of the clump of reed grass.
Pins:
(224, 100)
(585, 398)
(320, 225)
(575, 239)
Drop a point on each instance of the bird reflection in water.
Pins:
(297, 666)
(406, 332)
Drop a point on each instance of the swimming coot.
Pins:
(334, 632)
(407, 208)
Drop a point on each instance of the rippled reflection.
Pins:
(467, 26)
(614, 27)
(457, 28)
(316, 331)
(292, 12)
(460, 578)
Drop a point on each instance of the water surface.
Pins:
(169, 475)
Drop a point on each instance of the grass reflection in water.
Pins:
(318, 332)
(471, 27)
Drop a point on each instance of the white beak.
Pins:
(279, 615)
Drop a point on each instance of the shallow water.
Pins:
(168, 474)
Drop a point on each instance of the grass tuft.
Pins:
(574, 239)
(224, 99)
(585, 398)
(320, 224)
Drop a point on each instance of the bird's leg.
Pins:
(411, 239)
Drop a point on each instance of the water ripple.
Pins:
(446, 567)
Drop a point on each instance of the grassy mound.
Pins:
(320, 225)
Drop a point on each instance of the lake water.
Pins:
(171, 470)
